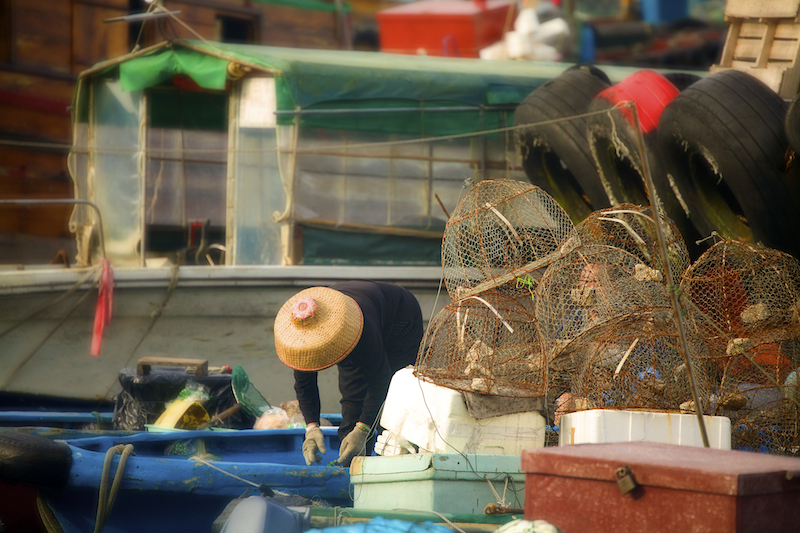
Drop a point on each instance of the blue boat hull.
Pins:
(161, 492)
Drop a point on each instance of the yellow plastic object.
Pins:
(183, 414)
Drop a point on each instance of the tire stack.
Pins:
(555, 151)
(717, 149)
(723, 142)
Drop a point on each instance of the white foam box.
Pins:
(445, 483)
(436, 419)
(597, 426)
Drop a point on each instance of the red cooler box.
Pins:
(675, 489)
(456, 28)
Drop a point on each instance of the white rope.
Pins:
(627, 226)
(203, 461)
(65, 146)
(630, 212)
(440, 515)
(492, 309)
(625, 357)
(505, 220)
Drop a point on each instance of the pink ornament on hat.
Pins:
(304, 308)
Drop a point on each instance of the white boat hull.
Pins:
(222, 314)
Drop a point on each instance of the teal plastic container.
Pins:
(445, 483)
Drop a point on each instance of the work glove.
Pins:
(313, 445)
(353, 444)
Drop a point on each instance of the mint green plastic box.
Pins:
(441, 482)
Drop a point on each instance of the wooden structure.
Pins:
(764, 41)
(45, 44)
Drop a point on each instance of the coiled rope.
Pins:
(107, 496)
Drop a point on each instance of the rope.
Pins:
(154, 317)
(11, 375)
(47, 516)
(301, 151)
(106, 501)
(182, 23)
(491, 308)
(51, 303)
(440, 515)
(234, 476)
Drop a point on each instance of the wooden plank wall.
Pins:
(44, 44)
(276, 25)
(51, 41)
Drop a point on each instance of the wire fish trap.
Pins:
(496, 232)
(774, 428)
(632, 228)
(635, 362)
(747, 306)
(591, 285)
(485, 344)
(747, 302)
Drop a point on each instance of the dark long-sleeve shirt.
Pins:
(389, 341)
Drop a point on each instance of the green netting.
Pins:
(246, 394)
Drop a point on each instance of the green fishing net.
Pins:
(252, 401)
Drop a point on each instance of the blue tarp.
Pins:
(382, 525)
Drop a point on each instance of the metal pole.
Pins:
(673, 295)
(62, 201)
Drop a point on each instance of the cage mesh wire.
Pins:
(592, 284)
(486, 344)
(748, 310)
(632, 228)
(633, 362)
(499, 226)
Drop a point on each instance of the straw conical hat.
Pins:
(316, 328)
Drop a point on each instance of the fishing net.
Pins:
(253, 402)
(485, 344)
(494, 234)
(635, 362)
(747, 302)
(593, 284)
(632, 228)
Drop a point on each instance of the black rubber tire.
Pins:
(615, 149)
(556, 156)
(722, 141)
(34, 461)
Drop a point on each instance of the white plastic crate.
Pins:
(597, 426)
(436, 419)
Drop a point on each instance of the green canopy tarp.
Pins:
(348, 81)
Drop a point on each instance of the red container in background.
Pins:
(457, 28)
(678, 489)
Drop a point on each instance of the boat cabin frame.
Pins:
(250, 155)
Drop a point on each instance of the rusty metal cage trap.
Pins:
(496, 232)
(591, 285)
(632, 228)
(747, 302)
(634, 362)
(485, 344)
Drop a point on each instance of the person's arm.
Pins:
(307, 391)
(366, 382)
